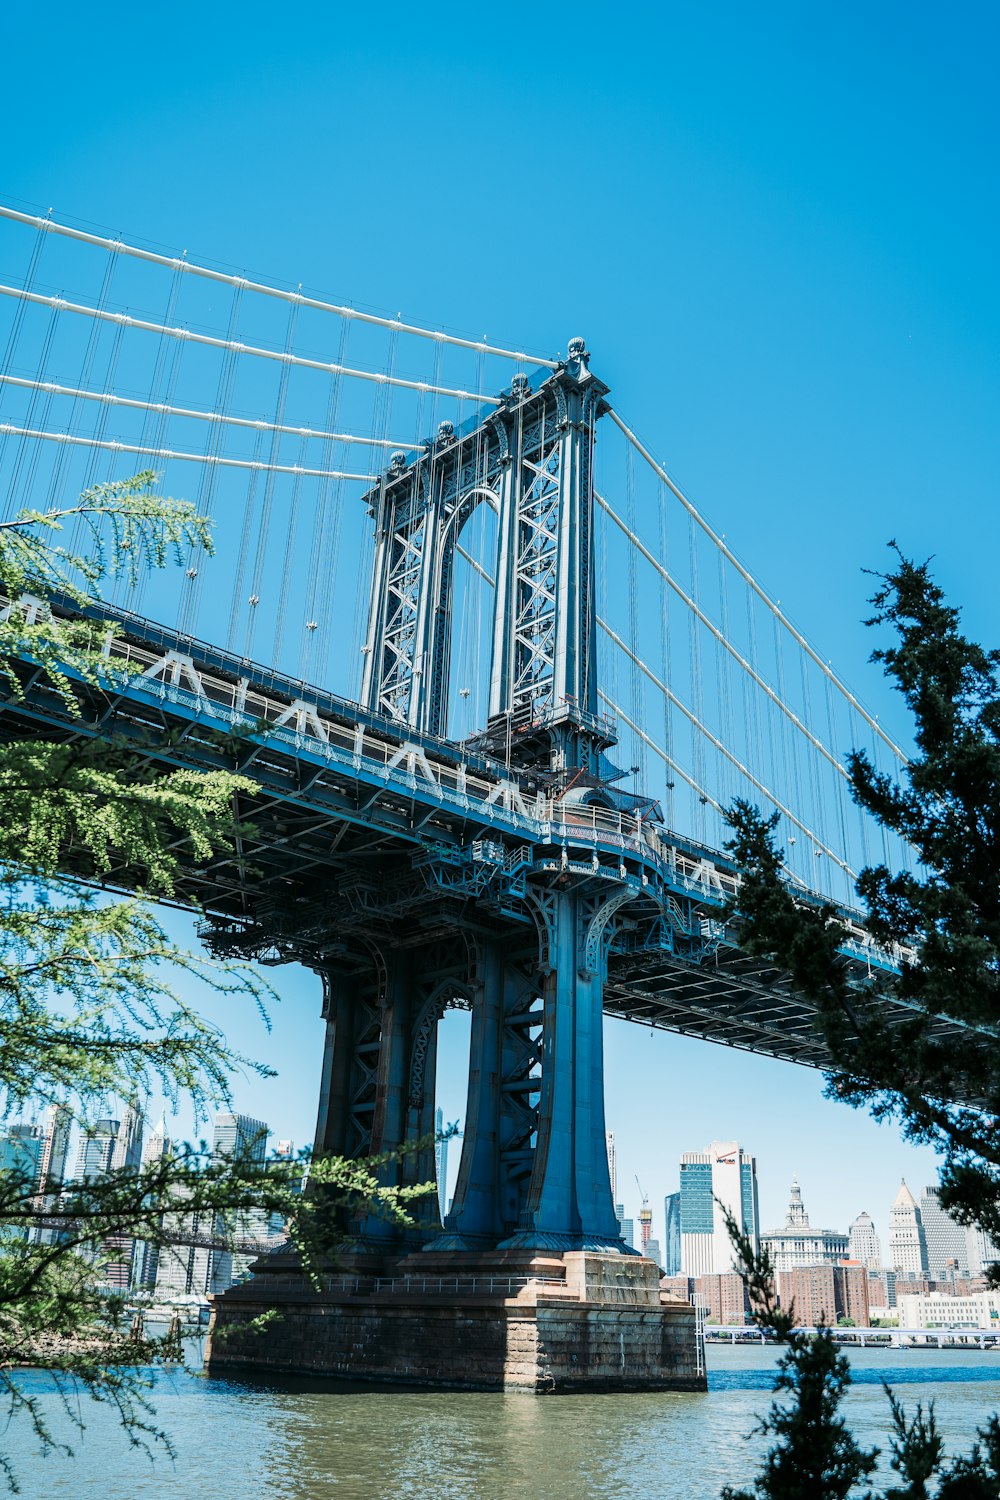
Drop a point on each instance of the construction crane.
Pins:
(645, 1216)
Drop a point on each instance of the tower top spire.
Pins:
(796, 1216)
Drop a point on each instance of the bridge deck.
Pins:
(342, 793)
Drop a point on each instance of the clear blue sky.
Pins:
(775, 225)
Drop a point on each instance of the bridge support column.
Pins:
(501, 1116)
(569, 1203)
(364, 1082)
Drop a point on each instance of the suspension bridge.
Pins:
(499, 679)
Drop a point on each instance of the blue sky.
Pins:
(777, 228)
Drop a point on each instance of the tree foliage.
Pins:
(941, 920)
(92, 1008)
(940, 1081)
(815, 1455)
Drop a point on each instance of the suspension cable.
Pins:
(744, 771)
(163, 409)
(196, 458)
(720, 636)
(696, 723)
(620, 713)
(182, 264)
(764, 597)
(125, 320)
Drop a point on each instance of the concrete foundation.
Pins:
(574, 1321)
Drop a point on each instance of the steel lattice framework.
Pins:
(531, 462)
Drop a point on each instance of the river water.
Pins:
(237, 1440)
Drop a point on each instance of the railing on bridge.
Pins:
(304, 723)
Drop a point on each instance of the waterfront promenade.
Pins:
(869, 1338)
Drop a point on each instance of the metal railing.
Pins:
(365, 1286)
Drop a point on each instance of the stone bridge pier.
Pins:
(527, 1283)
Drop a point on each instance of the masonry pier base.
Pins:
(540, 1323)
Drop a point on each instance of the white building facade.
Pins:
(798, 1243)
(863, 1243)
(907, 1247)
(981, 1310)
(946, 1240)
(981, 1250)
(729, 1174)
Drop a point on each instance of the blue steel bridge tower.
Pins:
(529, 959)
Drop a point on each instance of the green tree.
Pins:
(90, 1003)
(943, 919)
(815, 1456)
(941, 1083)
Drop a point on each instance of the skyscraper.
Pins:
(626, 1227)
(946, 1241)
(238, 1137)
(609, 1139)
(441, 1162)
(127, 1152)
(96, 1148)
(798, 1243)
(194, 1269)
(55, 1148)
(155, 1147)
(907, 1248)
(672, 1234)
(982, 1251)
(864, 1243)
(183, 1270)
(21, 1152)
(729, 1174)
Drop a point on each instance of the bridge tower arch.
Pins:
(532, 458)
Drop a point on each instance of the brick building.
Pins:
(825, 1293)
(723, 1296)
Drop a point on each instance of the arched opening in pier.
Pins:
(474, 569)
(451, 1089)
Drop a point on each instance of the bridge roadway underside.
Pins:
(327, 860)
(331, 856)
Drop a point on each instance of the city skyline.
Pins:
(818, 1187)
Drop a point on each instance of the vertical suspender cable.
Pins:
(288, 564)
(21, 496)
(154, 423)
(246, 533)
(14, 335)
(840, 791)
(253, 602)
(666, 673)
(93, 339)
(636, 694)
(332, 527)
(696, 683)
(380, 428)
(209, 474)
(723, 670)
